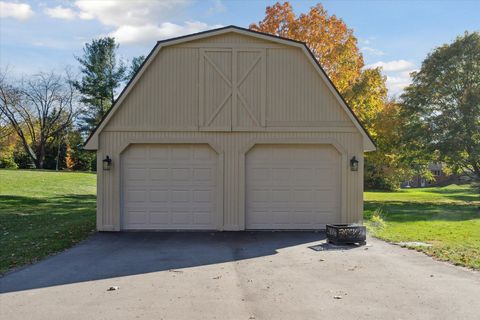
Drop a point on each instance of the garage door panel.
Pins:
(203, 196)
(159, 217)
(180, 153)
(303, 216)
(257, 216)
(170, 187)
(136, 174)
(159, 195)
(280, 195)
(282, 217)
(159, 153)
(181, 217)
(260, 173)
(325, 196)
(136, 196)
(292, 186)
(303, 196)
(159, 174)
(181, 174)
(136, 153)
(201, 218)
(203, 175)
(180, 196)
(137, 217)
(260, 195)
(280, 174)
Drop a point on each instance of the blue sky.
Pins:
(397, 35)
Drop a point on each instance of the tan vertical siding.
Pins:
(232, 146)
(295, 92)
(166, 96)
(179, 91)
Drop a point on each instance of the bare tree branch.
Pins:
(38, 110)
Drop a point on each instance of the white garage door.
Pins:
(169, 187)
(292, 186)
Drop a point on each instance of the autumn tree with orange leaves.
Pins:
(335, 47)
(329, 39)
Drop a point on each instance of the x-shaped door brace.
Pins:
(233, 92)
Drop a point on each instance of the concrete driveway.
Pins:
(251, 275)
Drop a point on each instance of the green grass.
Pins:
(43, 212)
(448, 218)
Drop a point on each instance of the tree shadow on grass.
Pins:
(414, 211)
(64, 204)
(468, 195)
(32, 228)
(448, 194)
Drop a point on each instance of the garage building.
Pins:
(229, 129)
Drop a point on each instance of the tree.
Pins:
(103, 73)
(442, 105)
(135, 65)
(8, 141)
(38, 110)
(328, 37)
(368, 99)
(78, 158)
(387, 167)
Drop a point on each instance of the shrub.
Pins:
(376, 220)
(8, 162)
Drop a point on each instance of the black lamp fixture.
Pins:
(107, 163)
(354, 164)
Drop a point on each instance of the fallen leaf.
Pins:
(176, 271)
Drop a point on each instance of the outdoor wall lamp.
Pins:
(107, 163)
(354, 164)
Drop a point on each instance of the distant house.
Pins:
(440, 178)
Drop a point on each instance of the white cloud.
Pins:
(393, 66)
(397, 73)
(372, 51)
(145, 33)
(133, 13)
(396, 84)
(20, 11)
(140, 21)
(366, 41)
(86, 16)
(60, 12)
(397, 81)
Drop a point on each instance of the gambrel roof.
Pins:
(92, 141)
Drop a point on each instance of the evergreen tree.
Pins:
(102, 74)
(135, 65)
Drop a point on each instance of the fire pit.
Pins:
(345, 233)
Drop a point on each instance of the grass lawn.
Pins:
(448, 218)
(43, 212)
